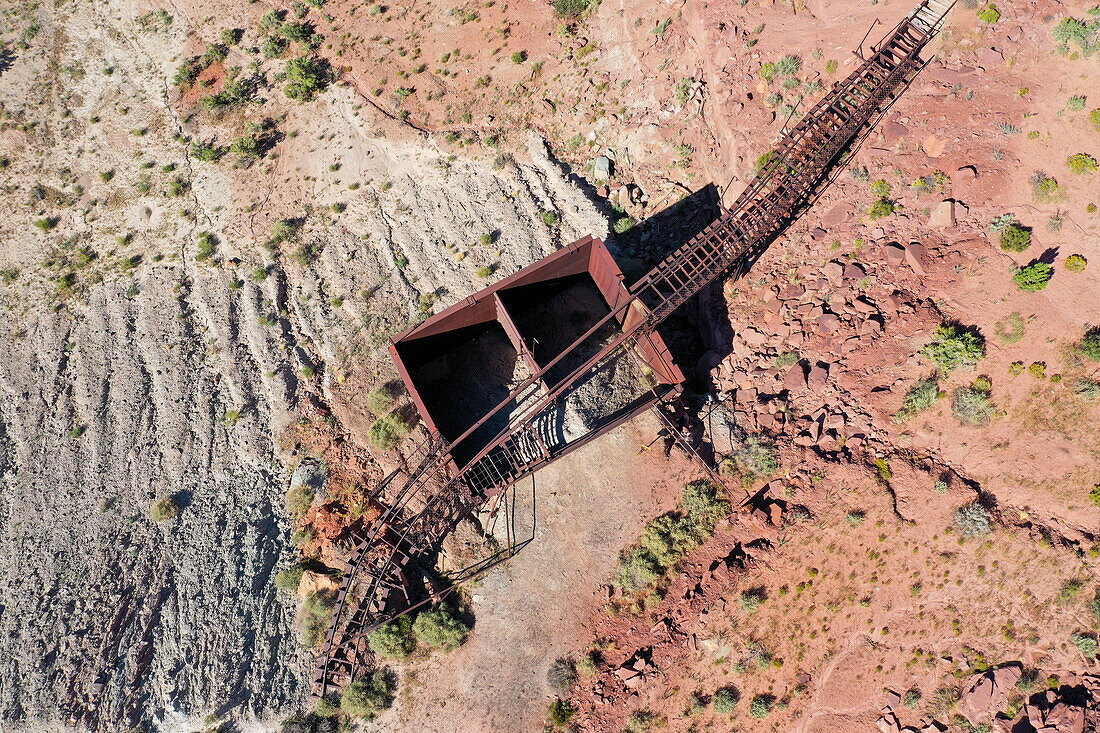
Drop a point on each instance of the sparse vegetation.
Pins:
(1010, 329)
(381, 399)
(298, 500)
(562, 675)
(1089, 345)
(368, 696)
(955, 346)
(725, 700)
(669, 537)
(165, 509)
(971, 520)
(920, 397)
(1034, 277)
(1015, 238)
(561, 712)
(393, 639)
(1086, 644)
(440, 628)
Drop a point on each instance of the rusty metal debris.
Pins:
(467, 463)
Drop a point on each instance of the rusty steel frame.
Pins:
(789, 182)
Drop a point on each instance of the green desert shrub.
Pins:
(393, 639)
(788, 65)
(1015, 238)
(1086, 644)
(440, 628)
(387, 431)
(971, 520)
(955, 346)
(313, 618)
(369, 695)
(1034, 277)
(299, 499)
(561, 712)
(305, 77)
(972, 406)
(671, 536)
(289, 579)
(640, 721)
(165, 509)
(380, 400)
(881, 209)
(1089, 345)
(920, 397)
(989, 14)
(761, 706)
(570, 8)
(1043, 187)
(725, 700)
(1081, 163)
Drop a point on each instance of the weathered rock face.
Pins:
(110, 618)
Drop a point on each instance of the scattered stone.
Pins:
(933, 146)
(795, 378)
(988, 694)
(753, 337)
(601, 168)
(834, 271)
(854, 271)
(914, 256)
(943, 215)
(895, 253)
(817, 379)
(893, 131)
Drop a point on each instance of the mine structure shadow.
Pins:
(466, 464)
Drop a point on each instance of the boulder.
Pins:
(795, 378)
(933, 146)
(601, 168)
(943, 215)
(818, 377)
(988, 693)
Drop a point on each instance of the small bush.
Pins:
(206, 246)
(751, 599)
(1015, 238)
(518, 57)
(288, 580)
(788, 65)
(955, 346)
(549, 218)
(380, 400)
(1043, 187)
(393, 639)
(1076, 263)
(989, 14)
(1038, 370)
(881, 209)
(1081, 163)
(640, 721)
(725, 700)
(637, 569)
(972, 406)
(761, 706)
(589, 664)
(561, 712)
(1089, 345)
(912, 698)
(1076, 102)
(570, 8)
(387, 431)
(971, 520)
(165, 509)
(299, 499)
(484, 272)
(1034, 277)
(755, 458)
(440, 628)
(1086, 644)
(880, 188)
(623, 225)
(368, 696)
(920, 397)
(1010, 329)
(562, 675)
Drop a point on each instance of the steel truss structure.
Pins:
(401, 544)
